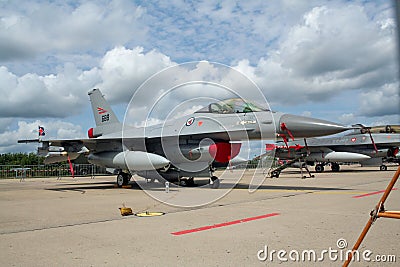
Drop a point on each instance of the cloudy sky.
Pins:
(335, 60)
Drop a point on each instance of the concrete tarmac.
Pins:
(77, 222)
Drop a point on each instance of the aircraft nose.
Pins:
(299, 126)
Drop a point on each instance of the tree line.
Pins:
(20, 159)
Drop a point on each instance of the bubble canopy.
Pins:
(233, 105)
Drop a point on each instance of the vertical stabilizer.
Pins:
(104, 116)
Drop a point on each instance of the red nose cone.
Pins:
(224, 152)
(90, 133)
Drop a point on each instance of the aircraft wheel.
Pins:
(335, 167)
(275, 174)
(383, 168)
(190, 181)
(123, 179)
(319, 168)
(127, 178)
(120, 180)
(215, 182)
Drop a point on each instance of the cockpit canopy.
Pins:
(232, 105)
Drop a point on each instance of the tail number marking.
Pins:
(105, 118)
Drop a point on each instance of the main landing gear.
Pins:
(214, 180)
(335, 167)
(123, 179)
(187, 182)
(319, 168)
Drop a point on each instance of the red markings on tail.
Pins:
(101, 110)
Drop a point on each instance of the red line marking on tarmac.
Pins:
(372, 193)
(184, 232)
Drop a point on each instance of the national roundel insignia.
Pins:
(190, 121)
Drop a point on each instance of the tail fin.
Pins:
(104, 116)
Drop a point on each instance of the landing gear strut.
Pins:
(214, 181)
(123, 179)
(187, 182)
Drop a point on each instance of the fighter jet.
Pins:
(182, 148)
(368, 146)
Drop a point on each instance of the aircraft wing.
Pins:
(382, 140)
(114, 143)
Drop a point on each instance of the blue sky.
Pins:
(335, 60)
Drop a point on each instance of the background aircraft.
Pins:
(359, 146)
(189, 146)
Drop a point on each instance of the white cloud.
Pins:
(347, 119)
(33, 96)
(332, 51)
(119, 74)
(123, 70)
(385, 101)
(40, 27)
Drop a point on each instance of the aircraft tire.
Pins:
(215, 183)
(335, 167)
(120, 180)
(319, 168)
(190, 181)
(383, 168)
(127, 178)
(275, 174)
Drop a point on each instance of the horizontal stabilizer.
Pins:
(25, 141)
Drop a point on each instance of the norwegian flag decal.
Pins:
(41, 131)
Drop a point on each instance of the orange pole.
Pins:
(374, 215)
(389, 215)
(390, 186)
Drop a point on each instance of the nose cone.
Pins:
(300, 126)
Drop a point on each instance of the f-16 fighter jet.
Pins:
(368, 146)
(182, 148)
